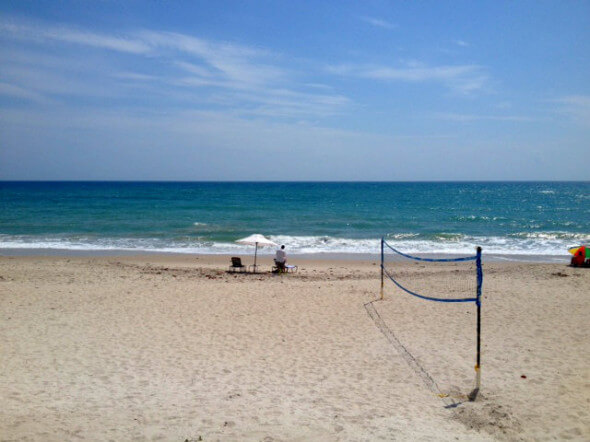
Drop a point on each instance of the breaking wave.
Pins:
(525, 243)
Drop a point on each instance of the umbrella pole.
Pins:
(255, 254)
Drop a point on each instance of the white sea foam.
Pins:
(526, 243)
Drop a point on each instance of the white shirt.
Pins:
(281, 256)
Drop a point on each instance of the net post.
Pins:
(382, 268)
(475, 391)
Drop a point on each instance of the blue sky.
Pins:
(283, 90)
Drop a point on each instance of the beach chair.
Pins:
(236, 265)
(280, 267)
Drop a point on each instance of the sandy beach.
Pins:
(174, 348)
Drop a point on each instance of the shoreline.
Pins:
(320, 256)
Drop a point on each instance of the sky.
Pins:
(294, 90)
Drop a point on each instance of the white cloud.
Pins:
(99, 41)
(177, 68)
(241, 65)
(288, 103)
(465, 79)
(54, 83)
(69, 35)
(10, 90)
(419, 73)
(576, 107)
(465, 118)
(377, 22)
(192, 68)
(133, 76)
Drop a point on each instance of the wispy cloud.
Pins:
(132, 76)
(237, 63)
(417, 73)
(176, 67)
(466, 118)
(241, 66)
(285, 103)
(377, 22)
(10, 90)
(464, 79)
(576, 107)
(47, 84)
(69, 35)
(461, 43)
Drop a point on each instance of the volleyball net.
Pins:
(454, 280)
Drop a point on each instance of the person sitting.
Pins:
(281, 259)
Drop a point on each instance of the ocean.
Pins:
(530, 219)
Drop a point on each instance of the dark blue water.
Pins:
(505, 218)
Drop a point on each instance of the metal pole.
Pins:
(255, 254)
(475, 391)
(381, 267)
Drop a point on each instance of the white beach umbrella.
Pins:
(256, 240)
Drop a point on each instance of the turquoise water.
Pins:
(533, 218)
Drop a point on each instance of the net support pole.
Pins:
(475, 391)
(382, 268)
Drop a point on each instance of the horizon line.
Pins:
(291, 181)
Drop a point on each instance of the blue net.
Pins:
(433, 279)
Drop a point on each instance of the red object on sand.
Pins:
(581, 256)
